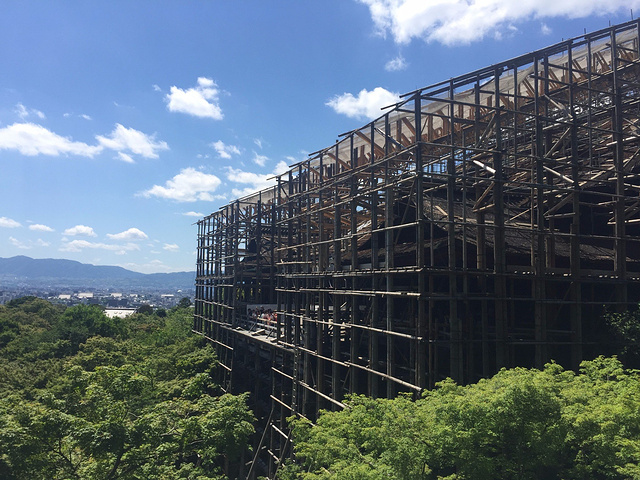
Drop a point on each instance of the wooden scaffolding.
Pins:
(484, 221)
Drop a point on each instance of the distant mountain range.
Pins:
(58, 272)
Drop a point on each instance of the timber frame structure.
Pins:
(481, 222)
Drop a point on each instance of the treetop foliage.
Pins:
(83, 396)
(519, 424)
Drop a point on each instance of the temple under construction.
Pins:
(485, 221)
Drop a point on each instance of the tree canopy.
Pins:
(88, 397)
(519, 424)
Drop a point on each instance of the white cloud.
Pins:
(130, 234)
(255, 181)
(28, 245)
(397, 64)
(125, 157)
(18, 244)
(193, 214)
(171, 247)
(9, 223)
(508, 31)
(545, 29)
(80, 230)
(24, 112)
(366, 105)
(260, 159)
(31, 139)
(38, 227)
(82, 115)
(463, 21)
(156, 88)
(258, 142)
(79, 245)
(189, 185)
(123, 138)
(281, 167)
(224, 150)
(200, 101)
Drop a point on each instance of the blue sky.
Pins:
(122, 123)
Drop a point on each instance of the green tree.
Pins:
(185, 302)
(23, 322)
(80, 322)
(626, 330)
(145, 309)
(130, 401)
(519, 424)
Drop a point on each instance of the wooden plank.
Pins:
(555, 146)
(476, 206)
(558, 174)
(344, 164)
(560, 204)
(408, 124)
(530, 90)
(485, 167)
(379, 151)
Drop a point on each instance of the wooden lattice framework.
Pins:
(482, 222)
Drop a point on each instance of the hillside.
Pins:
(50, 271)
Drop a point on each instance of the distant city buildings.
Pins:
(116, 303)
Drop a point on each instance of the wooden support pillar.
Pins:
(481, 263)
(620, 249)
(574, 260)
(272, 282)
(481, 254)
(308, 326)
(258, 286)
(389, 259)
(337, 299)
(235, 219)
(289, 268)
(499, 255)
(372, 389)
(354, 333)
(280, 280)
(421, 330)
(540, 257)
(455, 324)
(373, 336)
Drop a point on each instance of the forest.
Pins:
(520, 424)
(83, 396)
